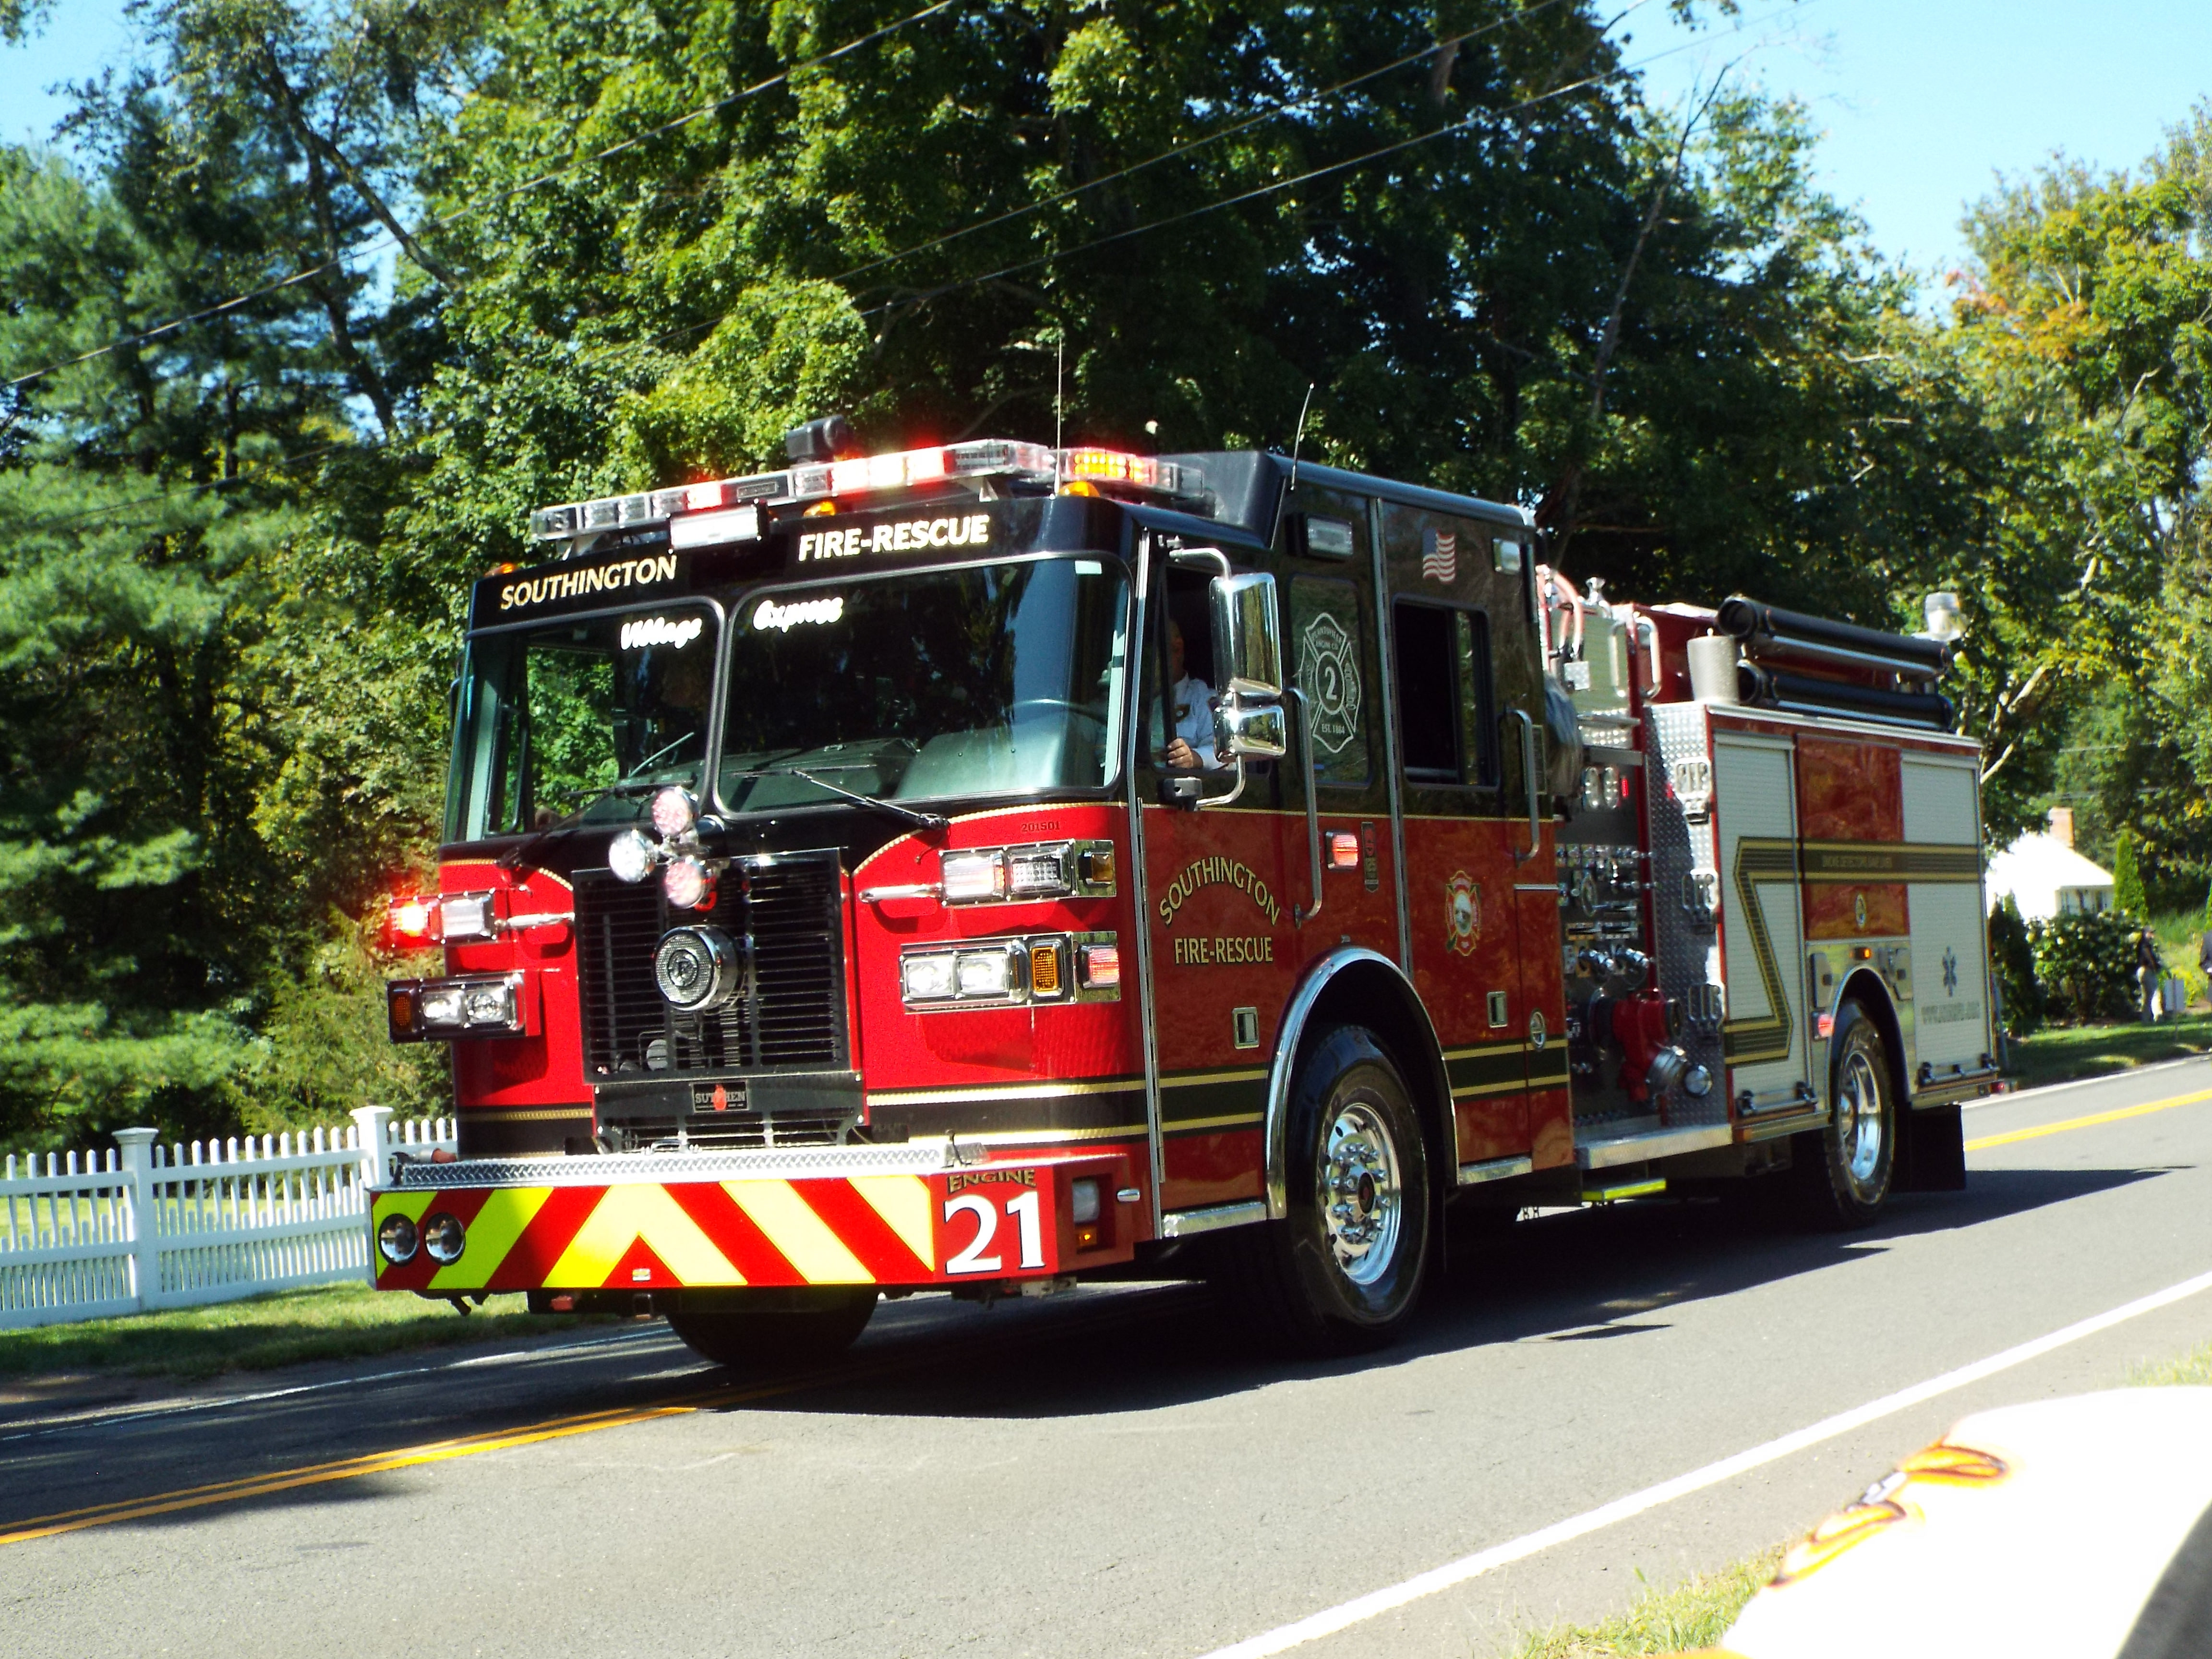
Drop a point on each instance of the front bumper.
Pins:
(902, 1217)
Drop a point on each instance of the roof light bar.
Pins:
(906, 468)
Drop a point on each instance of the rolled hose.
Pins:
(1763, 688)
(1757, 624)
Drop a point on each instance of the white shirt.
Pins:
(1195, 724)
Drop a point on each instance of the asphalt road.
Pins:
(1106, 1472)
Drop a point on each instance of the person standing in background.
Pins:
(2149, 965)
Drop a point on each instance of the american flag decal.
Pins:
(1439, 554)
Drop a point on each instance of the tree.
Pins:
(2127, 883)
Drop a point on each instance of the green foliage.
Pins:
(2012, 958)
(2127, 881)
(2087, 965)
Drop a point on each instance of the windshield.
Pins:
(551, 715)
(994, 679)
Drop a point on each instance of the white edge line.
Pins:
(2041, 1088)
(1330, 1620)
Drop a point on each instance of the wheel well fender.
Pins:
(1357, 987)
(1865, 988)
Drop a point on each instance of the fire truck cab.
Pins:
(982, 865)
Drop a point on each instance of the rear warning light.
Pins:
(1099, 966)
(1343, 850)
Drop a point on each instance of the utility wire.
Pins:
(441, 221)
(1450, 129)
(1205, 139)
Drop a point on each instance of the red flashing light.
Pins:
(409, 920)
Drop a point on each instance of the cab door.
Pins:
(1481, 903)
(1232, 906)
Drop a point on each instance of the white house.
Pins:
(2046, 877)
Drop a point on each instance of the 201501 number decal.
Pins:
(1028, 1219)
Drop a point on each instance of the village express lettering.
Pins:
(1221, 950)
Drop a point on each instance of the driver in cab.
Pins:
(1190, 742)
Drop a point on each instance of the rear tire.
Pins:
(1850, 1166)
(772, 1338)
(1342, 1272)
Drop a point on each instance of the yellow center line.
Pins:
(2094, 1118)
(440, 1451)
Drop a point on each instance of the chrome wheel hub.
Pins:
(1361, 1201)
(1858, 1120)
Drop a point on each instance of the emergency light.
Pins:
(729, 508)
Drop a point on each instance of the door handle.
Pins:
(1528, 774)
(1306, 914)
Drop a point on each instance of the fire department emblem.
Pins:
(1463, 912)
(1330, 675)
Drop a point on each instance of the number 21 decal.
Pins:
(1024, 1211)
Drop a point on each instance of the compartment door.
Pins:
(1947, 1029)
(1763, 1038)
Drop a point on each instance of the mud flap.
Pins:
(1933, 1155)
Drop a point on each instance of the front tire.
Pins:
(770, 1339)
(1850, 1166)
(1342, 1272)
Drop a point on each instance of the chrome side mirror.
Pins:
(1248, 643)
(1260, 731)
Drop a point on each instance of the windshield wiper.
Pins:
(927, 820)
(632, 785)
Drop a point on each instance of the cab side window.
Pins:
(1446, 724)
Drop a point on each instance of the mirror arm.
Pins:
(1305, 913)
(1528, 772)
(1212, 555)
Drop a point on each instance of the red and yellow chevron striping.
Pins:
(991, 1220)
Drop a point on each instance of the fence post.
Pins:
(144, 1222)
(374, 1124)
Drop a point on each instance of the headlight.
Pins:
(927, 978)
(631, 856)
(688, 885)
(698, 969)
(674, 811)
(1083, 1200)
(445, 1238)
(489, 1004)
(985, 973)
(397, 1239)
(968, 876)
(479, 1004)
(440, 1006)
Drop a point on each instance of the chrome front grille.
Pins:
(783, 909)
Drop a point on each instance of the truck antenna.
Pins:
(1300, 437)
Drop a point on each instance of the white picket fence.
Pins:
(140, 1225)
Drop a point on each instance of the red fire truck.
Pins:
(980, 866)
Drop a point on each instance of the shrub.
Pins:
(2012, 959)
(2127, 879)
(2087, 965)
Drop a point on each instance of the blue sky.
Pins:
(1921, 103)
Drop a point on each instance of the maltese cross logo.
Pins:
(1950, 972)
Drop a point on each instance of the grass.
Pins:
(334, 1322)
(1697, 1612)
(2060, 1054)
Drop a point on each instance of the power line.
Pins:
(1451, 130)
(441, 221)
(1199, 143)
